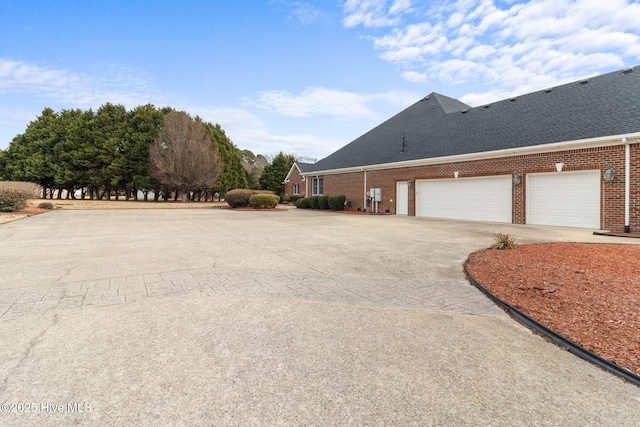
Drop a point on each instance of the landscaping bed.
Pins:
(588, 293)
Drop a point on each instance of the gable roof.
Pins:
(302, 167)
(439, 126)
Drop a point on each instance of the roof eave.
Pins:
(485, 155)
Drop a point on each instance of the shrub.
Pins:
(323, 202)
(264, 200)
(14, 194)
(294, 199)
(336, 203)
(238, 198)
(302, 203)
(46, 205)
(504, 241)
(313, 202)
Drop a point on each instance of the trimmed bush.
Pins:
(14, 195)
(239, 197)
(46, 205)
(302, 203)
(336, 203)
(323, 202)
(294, 199)
(264, 200)
(313, 202)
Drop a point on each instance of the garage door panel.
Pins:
(476, 199)
(568, 199)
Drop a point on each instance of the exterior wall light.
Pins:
(455, 174)
(410, 182)
(609, 174)
(559, 167)
(517, 178)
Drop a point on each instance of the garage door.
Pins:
(476, 199)
(568, 199)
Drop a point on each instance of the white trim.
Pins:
(485, 155)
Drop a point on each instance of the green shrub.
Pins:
(313, 202)
(323, 202)
(336, 203)
(14, 195)
(238, 198)
(504, 241)
(264, 200)
(286, 199)
(302, 203)
(294, 199)
(46, 205)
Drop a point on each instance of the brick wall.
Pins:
(295, 178)
(612, 193)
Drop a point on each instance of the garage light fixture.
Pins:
(516, 178)
(410, 182)
(609, 174)
(559, 167)
(455, 174)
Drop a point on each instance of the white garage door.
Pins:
(476, 199)
(568, 199)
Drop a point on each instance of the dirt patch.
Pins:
(588, 293)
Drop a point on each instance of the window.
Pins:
(316, 186)
(296, 189)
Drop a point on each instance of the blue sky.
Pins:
(303, 77)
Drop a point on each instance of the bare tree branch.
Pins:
(183, 156)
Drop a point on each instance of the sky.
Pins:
(301, 77)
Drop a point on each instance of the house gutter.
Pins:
(521, 151)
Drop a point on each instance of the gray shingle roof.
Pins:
(438, 126)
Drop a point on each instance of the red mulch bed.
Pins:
(588, 293)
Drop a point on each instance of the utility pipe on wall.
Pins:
(627, 185)
(364, 202)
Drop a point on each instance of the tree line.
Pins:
(115, 151)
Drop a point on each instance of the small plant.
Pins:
(503, 241)
(46, 205)
(264, 200)
(14, 194)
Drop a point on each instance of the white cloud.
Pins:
(326, 102)
(374, 13)
(113, 84)
(415, 77)
(506, 46)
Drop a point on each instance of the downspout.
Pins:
(627, 186)
(364, 201)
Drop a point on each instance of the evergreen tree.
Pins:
(274, 173)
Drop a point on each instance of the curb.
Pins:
(558, 339)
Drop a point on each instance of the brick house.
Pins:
(294, 183)
(565, 156)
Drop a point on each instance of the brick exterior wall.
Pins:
(612, 199)
(295, 178)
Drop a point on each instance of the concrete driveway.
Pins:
(219, 317)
